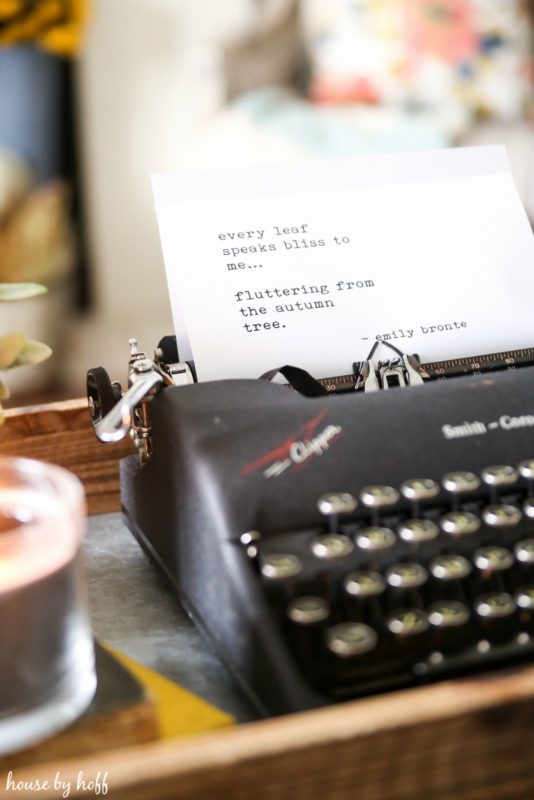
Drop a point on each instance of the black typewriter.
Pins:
(367, 532)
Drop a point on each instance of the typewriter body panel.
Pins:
(310, 604)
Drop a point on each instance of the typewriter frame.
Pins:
(248, 640)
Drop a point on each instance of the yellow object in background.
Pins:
(179, 712)
(56, 25)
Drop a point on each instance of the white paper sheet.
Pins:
(309, 264)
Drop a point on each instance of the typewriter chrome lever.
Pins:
(114, 415)
(121, 419)
(405, 370)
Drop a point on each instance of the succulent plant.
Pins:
(16, 350)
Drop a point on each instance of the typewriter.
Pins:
(362, 533)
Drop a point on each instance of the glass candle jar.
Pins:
(47, 673)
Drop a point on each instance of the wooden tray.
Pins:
(464, 739)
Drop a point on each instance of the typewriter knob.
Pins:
(460, 482)
(351, 639)
(419, 489)
(376, 497)
(308, 610)
(102, 394)
(500, 476)
(334, 504)
(460, 523)
(167, 350)
(501, 516)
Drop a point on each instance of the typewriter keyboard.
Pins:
(402, 584)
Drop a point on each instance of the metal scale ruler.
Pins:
(434, 370)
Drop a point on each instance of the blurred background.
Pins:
(95, 96)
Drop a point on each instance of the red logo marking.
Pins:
(298, 449)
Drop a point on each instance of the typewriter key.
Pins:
(501, 516)
(495, 605)
(493, 559)
(460, 482)
(336, 503)
(526, 470)
(500, 476)
(450, 568)
(363, 596)
(351, 639)
(497, 616)
(406, 576)
(375, 538)
(449, 614)
(450, 631)
(408, 622)
(460, 523)
(524, 551)
(419, 489)
(280, 565)
(308, 610)
(364, 584)
(379, 496)
(525, 598)
(331, 545)
(418, 530)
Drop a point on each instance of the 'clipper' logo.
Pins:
(298, 449)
